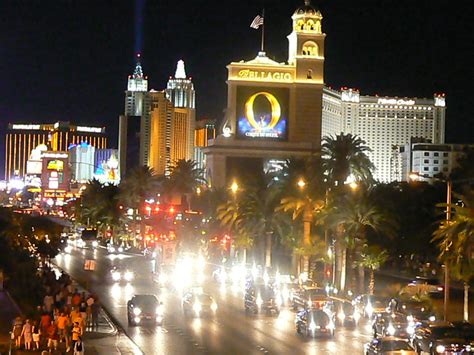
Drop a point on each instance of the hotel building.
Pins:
(383, 123)
(21, 139)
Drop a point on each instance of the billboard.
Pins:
(262, 113)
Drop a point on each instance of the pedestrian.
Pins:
(89, 302)
(95, 314)
(27, 334)
(52, 332)
(76, 298)
(78, 347)
(83, 307)
(16, 332)
(62, 324)
(45, 321)
(48, 302)
(76, 333)
(36, 336)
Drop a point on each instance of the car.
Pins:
(416, 310)
(346, 314)
(309, 297)
(392, 324)
(261, 298)
(119, 274)
(368, 305)
(144, 309)
(389, 345)
(423, 286)
(435, 337)
(314, 322)
(114, 249)
(198, 304)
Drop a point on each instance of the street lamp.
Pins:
(301, 183)
(449, 187)
(234, 187)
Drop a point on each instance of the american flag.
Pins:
(257, 22)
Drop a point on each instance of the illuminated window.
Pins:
(310, 48)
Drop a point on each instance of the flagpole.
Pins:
(263, 31)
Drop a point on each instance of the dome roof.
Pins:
(306, 9)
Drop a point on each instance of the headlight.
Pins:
(410, 329)
(391, 329)
(468, 348)
(120, 250)
(410, 318)
(160, 310)
(312, 326)
(112, 249)
(116, 276)
(137, 311)
(369, 310)
(214, 306)
(278, 301)
(440, 349)
(309, 303)
(259, 301)
(341, 316)
(432, 318)
(162, 279)
(128, 276)
(197, 307)
(95, 244)
(331, 325)
(153, 255)
(68, 249)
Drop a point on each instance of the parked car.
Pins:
(314, 322)
(389, 345)
(416, 310)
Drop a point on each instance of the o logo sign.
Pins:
(276, 110)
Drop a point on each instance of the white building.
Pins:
(137, 86)
(383, 123)
(428, 160)
(82, 160)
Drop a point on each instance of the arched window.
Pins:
(310, 48)
(309, 25)
(300, 25)
(309, 74)
(318, 26)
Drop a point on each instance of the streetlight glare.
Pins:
(353, 185)
(234, 187)
(301, 183)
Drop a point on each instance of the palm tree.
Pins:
(355, 215)
(139, 184)
(345, 155)
(372, 257)
(303, 188)
(184, 179)
(455, 240)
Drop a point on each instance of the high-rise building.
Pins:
(21, 139)
(383, 123)
(204, 132)
(161, 114)
(273, 109)
(82, 160)
(158, 126)
(180, 91)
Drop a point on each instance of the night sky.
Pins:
(69, 59)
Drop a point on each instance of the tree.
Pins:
(303, 189)
(372, 257)
(139, 184)
(345, 155)
(455, 241)
(356, 214)
(184, 179)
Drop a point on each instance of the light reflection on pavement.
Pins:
(230, 331)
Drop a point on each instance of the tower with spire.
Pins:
(180, 91)
(137, 86)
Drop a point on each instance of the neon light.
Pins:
(26, 126)
(89, 129)
(395, 102)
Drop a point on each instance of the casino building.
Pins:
(274, 110)
(21, 139)
(281, 110)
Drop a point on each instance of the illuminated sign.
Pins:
(26, 126)
(57, 165)
(395, 102)
(89, 129)
(262, 113)
(54, 155)
(264, 75)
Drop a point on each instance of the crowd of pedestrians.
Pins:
(62, 318)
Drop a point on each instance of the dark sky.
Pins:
(69, 59)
